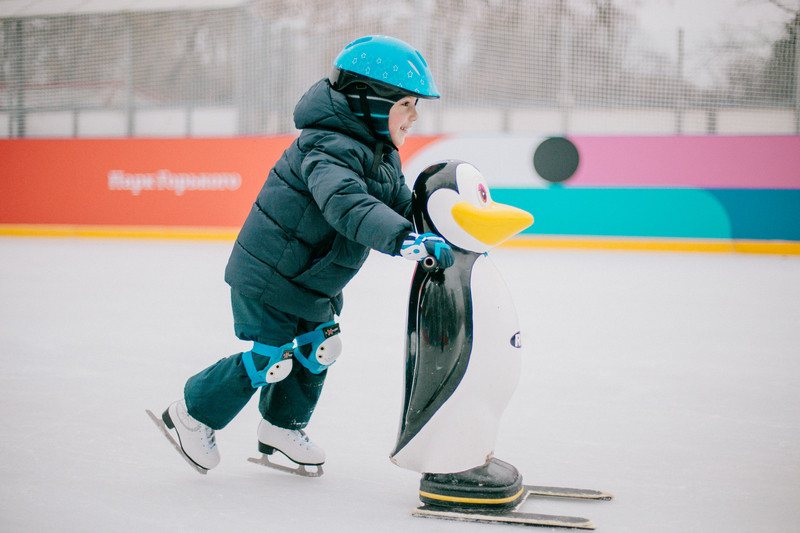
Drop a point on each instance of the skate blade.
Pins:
(298, 469)
(508, 517)
(568, 492)
(163, 427)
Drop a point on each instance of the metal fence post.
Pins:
(18, 75)
(797, 74)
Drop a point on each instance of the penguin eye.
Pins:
(483, 194)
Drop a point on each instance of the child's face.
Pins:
(401, 117)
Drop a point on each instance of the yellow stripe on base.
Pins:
(461, 499)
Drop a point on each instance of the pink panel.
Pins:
(746, 162)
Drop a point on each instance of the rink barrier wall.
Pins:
(583, 242)
(709, 194)
(523, 241)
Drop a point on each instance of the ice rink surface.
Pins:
(670, 380)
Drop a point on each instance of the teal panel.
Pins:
(762, 213)
(677, 213)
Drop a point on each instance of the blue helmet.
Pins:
(385, 64)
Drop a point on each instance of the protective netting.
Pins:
(550, 66)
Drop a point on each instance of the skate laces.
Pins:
(209, 437)
(300, 435)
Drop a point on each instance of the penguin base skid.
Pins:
(494, 493)
(514, 516)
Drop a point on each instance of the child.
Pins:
(337, 192)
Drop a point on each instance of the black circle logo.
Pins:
(556, 159)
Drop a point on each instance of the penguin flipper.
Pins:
(438, 347)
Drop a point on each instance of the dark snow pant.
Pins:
(217, 394)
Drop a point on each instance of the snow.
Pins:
(670, 380)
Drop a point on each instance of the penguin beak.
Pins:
(493, 223)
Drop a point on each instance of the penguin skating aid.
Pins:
(463, 357)
(463, 354)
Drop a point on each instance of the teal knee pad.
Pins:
(326, 347)
(278, 366)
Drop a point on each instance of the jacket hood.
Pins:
(324, 108)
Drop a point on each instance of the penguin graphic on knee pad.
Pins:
(462, 348)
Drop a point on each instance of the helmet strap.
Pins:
(362, 96)
(378, 155)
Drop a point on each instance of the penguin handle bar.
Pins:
(429, 263)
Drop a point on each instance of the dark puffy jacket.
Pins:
(320, 211)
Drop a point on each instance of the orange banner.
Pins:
(138, 182)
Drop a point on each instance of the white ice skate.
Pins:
(195, 440)
(294, 444)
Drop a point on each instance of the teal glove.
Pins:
(429, 248)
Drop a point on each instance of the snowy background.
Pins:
(670, 380)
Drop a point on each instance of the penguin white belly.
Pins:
(462, 432)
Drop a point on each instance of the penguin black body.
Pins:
(439, 337)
